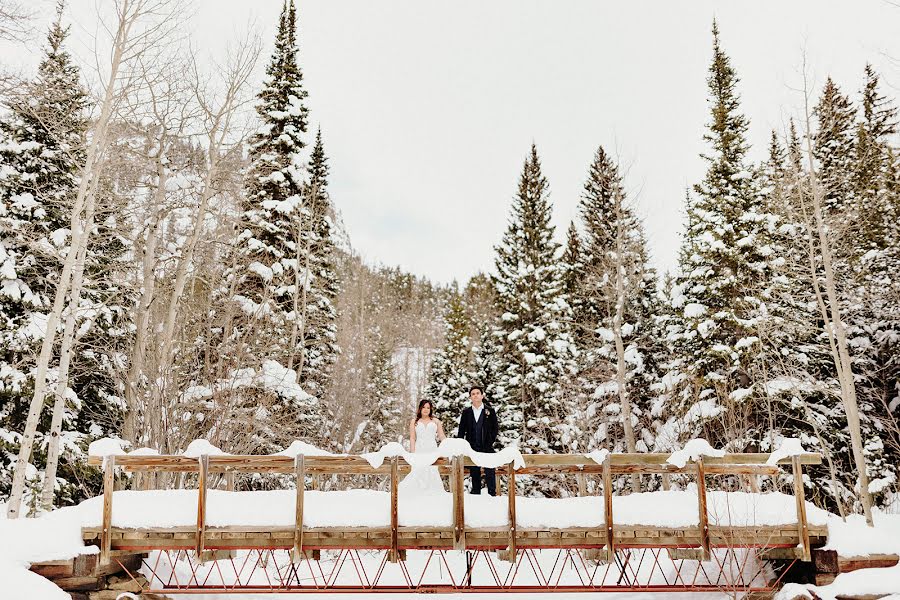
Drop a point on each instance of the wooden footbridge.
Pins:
(610, 557)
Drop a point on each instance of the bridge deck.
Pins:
(439, 538)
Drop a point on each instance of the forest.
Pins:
(173, 266)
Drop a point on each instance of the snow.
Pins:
(370, 508)
(788, 447)
(198, 448)
(693, 450)
(298, 447)
(449, 448)
(694, 310)
(599, 455)
(19, 582)
(107, 447)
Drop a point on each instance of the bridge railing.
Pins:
(752, 465)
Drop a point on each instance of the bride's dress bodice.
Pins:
(423, 479)
(426, 436)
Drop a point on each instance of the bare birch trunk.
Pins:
(84, 199)
(62, 384)
(620, 263)
(831, 314)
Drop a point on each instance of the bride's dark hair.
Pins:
(419, 410)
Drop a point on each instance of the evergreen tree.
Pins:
(42, 148)
(450, 367)
(384, 422)
(833, 150)
(614, 247)
(287, 316)
(537, 350)
(724, 266)
(319, 345)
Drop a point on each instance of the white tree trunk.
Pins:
(62, 384)
(829, 307)
(621, 263)
(125, 46)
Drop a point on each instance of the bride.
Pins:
(425, 431)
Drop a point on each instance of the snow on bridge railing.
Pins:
(603, 463)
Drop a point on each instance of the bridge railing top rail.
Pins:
(619, 463)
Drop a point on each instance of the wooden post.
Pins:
(202, 478)
(511, 484)
(229, 481)
(300, 479)
(701, 503)
(394, 555)
(315, 482)
(459, 506)
(608, 507)
(109, 480)
(800, 495)
(582, 483)
(666, 482)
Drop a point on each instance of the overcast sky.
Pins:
(429, 108)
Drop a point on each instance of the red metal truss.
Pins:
(550, 570)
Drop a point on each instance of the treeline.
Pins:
(172, 268)
(783, 319)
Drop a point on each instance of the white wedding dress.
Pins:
(424, 479)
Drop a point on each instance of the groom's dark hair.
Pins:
(476, 387)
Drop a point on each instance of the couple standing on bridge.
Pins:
(477, 425)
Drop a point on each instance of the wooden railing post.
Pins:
(666, 482)
(511, 484)
(701, 505)
(394, 555)
(202, 477)
(229, 481)
(581, 480)
(109, 480)
(608, 510)
(459, 505)
(800, 495)
(300, 479)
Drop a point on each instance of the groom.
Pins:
(478, 426)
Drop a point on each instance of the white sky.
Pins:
(429, 108)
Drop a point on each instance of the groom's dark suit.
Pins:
(481, 435)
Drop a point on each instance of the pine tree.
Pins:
(383, 424)
(724, 265)
(283, 305)
(615, 268)
(42, 140)
(833, 150)
(450, 367)
(319, 345)
(538, 351)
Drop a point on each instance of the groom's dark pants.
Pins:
(475, 473)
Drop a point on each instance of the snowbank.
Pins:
(297, 447)
(693, 450)
(19, 582)
(449, 448)
(369, 508)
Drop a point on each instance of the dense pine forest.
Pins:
(174, 266)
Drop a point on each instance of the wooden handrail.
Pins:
(635, 463)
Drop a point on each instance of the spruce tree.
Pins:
(724, 265)
(42, 148)
(450, 368)
(833, 150)
(614, 264)
(383, 424)
(274, 271)
(319, 345)
(538, 351)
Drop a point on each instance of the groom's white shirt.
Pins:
(477, 411)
